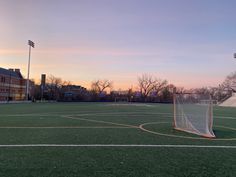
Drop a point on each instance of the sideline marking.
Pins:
(169, 115)
(86, 114)
(180, 136)
(133, 104)
(64, 127)
(116, 145)
(230, 128)
(99, 121)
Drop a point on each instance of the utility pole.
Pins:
(31, 44)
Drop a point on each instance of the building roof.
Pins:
(10, 73)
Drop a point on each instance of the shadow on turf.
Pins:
(223, 133)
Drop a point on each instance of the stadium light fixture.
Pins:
(31, 44)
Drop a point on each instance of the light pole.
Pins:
(234, 55)
(31, 44)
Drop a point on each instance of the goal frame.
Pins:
(175, 113)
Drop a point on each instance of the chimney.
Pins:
(10, 69)
(43, 80)
(17, 70)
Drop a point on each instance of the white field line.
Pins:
(86, 114)
(64, 127)
(230, 128)
(169, 115)
(118, 145)
(222, 117)
(185, 137)
(100, 121)
(133, 104)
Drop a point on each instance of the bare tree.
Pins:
(54, 85)
(66, 83)
(167, 93)
(230, 82)
(148, 83)
(180, 89)
(100, 86)
(202, 90)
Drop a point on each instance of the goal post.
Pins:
(193, 113)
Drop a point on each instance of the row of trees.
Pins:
(223, 91)
(149, 89)
(52, 90)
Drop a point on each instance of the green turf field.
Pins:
(110, 140)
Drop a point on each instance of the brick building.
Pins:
(73, 93)
(12, 85)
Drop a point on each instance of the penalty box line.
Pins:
(117, 145)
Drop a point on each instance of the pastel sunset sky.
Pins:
(188, 42)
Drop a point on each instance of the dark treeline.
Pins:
(149, 89)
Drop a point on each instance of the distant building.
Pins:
(122, 95)
(12, 85)
(73, 92)
(121, 92)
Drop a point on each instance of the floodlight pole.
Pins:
(234, 55)
(31, 44)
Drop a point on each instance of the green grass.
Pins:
(107, 123)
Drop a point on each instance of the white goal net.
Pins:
(193, 113)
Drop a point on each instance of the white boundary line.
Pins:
(117, 145)
(64, 127)
(85, 114)
(100, 121)
(104, 113)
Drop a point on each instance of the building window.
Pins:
(3, 79)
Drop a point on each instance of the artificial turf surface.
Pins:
(108, 123)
